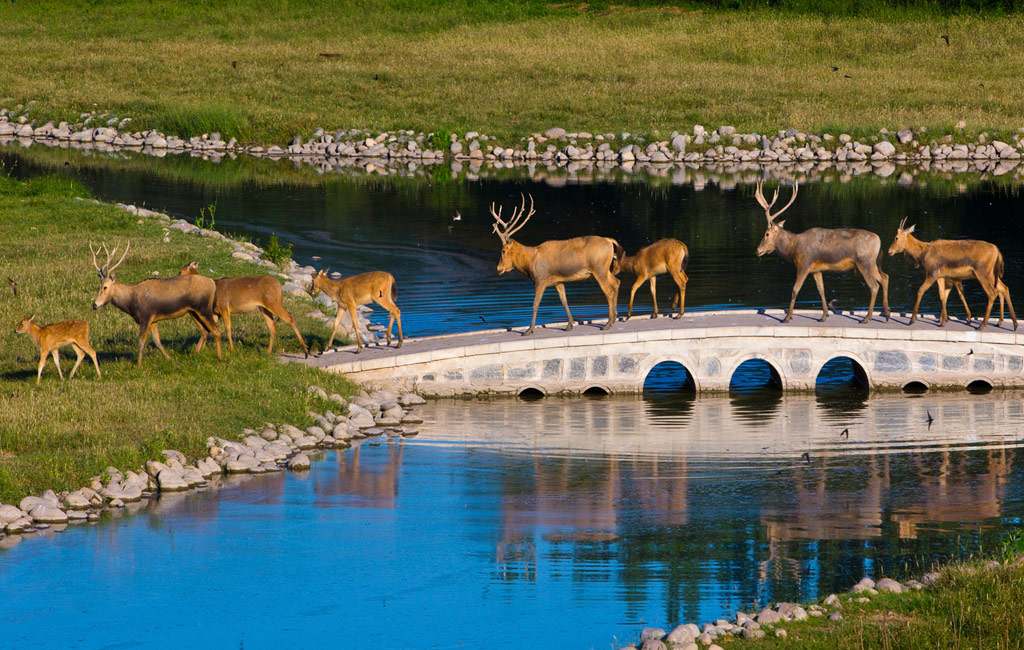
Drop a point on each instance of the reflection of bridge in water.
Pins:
(709, 345)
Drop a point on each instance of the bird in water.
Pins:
(845, 433)
(457, 217)
(930, 420)
(806, 458)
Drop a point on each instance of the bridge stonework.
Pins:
(710, 345)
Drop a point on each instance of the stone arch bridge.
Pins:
(709, 345)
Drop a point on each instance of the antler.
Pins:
(106, 269)
(903, 224)
(759, 195)
(518, 220)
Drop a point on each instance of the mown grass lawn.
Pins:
(256, 70)
(57, 434)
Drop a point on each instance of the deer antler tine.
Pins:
(126, 248)
(759, 195)
(522, 221)
(796, 188)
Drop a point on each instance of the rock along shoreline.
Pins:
(404, 152)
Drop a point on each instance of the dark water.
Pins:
(445, 269)
(516, 523)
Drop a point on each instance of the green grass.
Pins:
(970, 607)
(510, 69)
(58, 434)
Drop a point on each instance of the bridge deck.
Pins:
(694, 324)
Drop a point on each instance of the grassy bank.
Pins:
(255, 70)
(58, 434)
(970, 607)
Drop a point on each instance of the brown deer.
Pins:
(362, 289)
(955, 261)
(663, 256)
(157, 299)
(247, 294)
(822, 249)
(51, 337)
(556, 262)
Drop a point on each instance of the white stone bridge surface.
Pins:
(710, 345)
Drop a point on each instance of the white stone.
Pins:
(299, 462)
(48, 514)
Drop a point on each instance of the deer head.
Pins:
(24, 325)
(504, 231)
(106, 273)
(771, 234)
(318, 282)
(190, 269)
(899, 243)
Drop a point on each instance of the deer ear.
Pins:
(911, 229)
(781, 223)
(194, 265)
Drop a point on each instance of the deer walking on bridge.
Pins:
(157, 299)
(556, 262)
(955, 260)
(663, 256)
(821, 249)
(355, 290)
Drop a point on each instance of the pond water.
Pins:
(514, 523)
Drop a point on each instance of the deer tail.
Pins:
(686, 259)
(394, 291)
(617, 255)
(999, 266)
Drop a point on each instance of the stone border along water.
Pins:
(406, 152)
(757, 626)
(271, 449)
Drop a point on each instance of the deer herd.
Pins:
(946, 263)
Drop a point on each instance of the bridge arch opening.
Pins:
(755, 376)
(597, 391)
(979, 387)
(915, 387)
(531, 393)
(841, 374)
(669, 379)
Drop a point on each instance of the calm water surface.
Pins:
(514, 523)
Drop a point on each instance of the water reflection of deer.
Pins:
(577, 501)
(375, 488)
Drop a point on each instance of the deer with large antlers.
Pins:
(663, 256)
(955, 260)
(252, 293)
(821, 249)
(556, 262)
(158, 299)
(51, 337)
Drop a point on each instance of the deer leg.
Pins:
(355, 327)
(537, 294)
(654, 295)
(920, 294)
(268, 318)
(560, 288)
(610, 286)
(226, 317)
(990, 291)
(960, 290)
(42, 363)
(209, 320)
(92, 355)
(1005, 291)
(883, 279)
(820, 283)
(680, 277)
(632, 292)
(394, 314)
(872, 281)
(202, 332)
(334, 329)
(943, 290)
(281, 313)
(81, 355)
(801, 275)
(156, 340)
(56, 362)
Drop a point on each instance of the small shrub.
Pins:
(277, 253)
(209, 212)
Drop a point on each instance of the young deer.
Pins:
(955, 260)
(821, 249)
(362, 289)
(247, 294)
(663, 256)
(51, 337)
(556, 262)
(157, 299)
